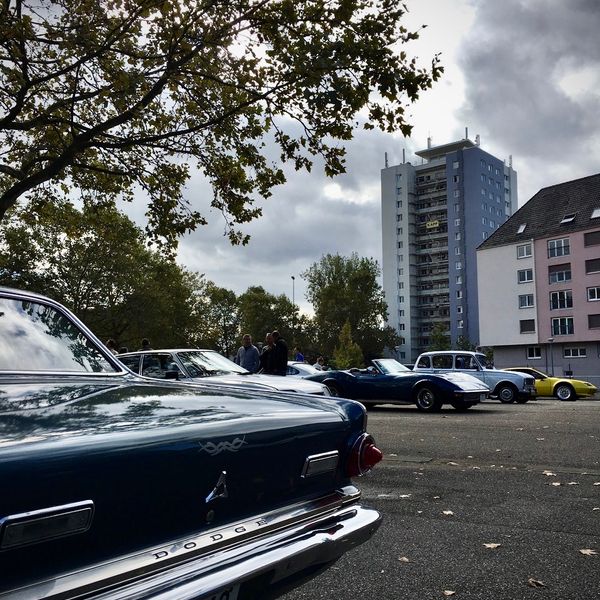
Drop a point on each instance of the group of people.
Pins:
(112, 346)
(271, 359)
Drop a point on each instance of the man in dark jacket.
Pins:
(280, 352)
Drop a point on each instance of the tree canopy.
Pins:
(345, 289)
(109, 98)
(95, 262)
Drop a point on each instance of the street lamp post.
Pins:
(294, 308)
(550, 340)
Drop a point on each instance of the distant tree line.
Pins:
(97, 262)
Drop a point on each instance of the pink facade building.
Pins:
(539, 282)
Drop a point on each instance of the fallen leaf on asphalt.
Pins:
(531, 582)
(448, 593)
(447, 512)
(385, 495)
(597, 483)
(403, 559)
(498, 449)
(596, 508)
(404, 496)
(588, 552)
(549, 474)
(492, 546)
(556, 483)
(453, 464)
(477, 468)
(419, 512)
(469, 456)
(572, 483)
(392, 454)
(520, 429)
(436, 497)
(540, 439)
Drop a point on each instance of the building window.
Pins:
(595, 213)
(402, 326)
(459, 279)
(574, 352)
(522, 226)
(456, 178)
(591, 239)
(459, 310)
(400, 299)
(568, 218)
(457, 250)
(401, 313)
(593, 321)
(482, 191)
(484, 220)
(593, 294)
(458, 265)
(524, 251)
(525, 275)
(527, 325)
(455, 164)
(457, 222)
(400, 244)
(534, 352)
(558, 247)
(457, 236)
(399, 203)
(562, 326)
(401, 285)
(459, 294)
(559, 273)
(562, 299)
(592, 266)
(456, 207)
(457, 193)
(484, 235)
(492, 224)
(526, 301)
(460, 324)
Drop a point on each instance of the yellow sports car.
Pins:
(561, 387)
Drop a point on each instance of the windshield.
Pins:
(484, 361)
(390, 366)
(201, 363)
(37, 337)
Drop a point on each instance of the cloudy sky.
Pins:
(523, 74)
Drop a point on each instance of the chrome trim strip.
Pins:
(200, 548)
(317, 464)
(46, 524)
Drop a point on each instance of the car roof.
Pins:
(154, 350)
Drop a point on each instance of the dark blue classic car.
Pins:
(115, 486)
(389, 382)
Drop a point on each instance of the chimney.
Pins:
(477, 140)
(429, 142)
(403, 155)
(466, 133)
(386, 161)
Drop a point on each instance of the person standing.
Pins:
(280, 351)
(267, 356)
(247, 355)
(298, 356)
(112, 345)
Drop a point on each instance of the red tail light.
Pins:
(363, 456)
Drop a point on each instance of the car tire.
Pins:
(426, 399)
(564, 392)
(506, 393)
(332, 387)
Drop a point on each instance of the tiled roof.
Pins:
(542, 215)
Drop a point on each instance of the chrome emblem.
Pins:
(220, 490)
(214, 449)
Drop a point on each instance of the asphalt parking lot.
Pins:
(499, 503)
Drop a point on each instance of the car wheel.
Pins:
(333, 388)
(426, 399)
(462, 406)
(506, 393)
(563, 391)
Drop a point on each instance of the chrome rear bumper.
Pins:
(276, 547)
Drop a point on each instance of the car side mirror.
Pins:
(173, 374)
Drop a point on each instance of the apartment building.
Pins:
(434, 215)
(539, 282)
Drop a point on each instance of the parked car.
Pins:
(387, 381)
(507, 386)
(561, 387)
(116, 486)
(301, 369)
(192, 365)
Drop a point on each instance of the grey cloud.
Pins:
(513, 60)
